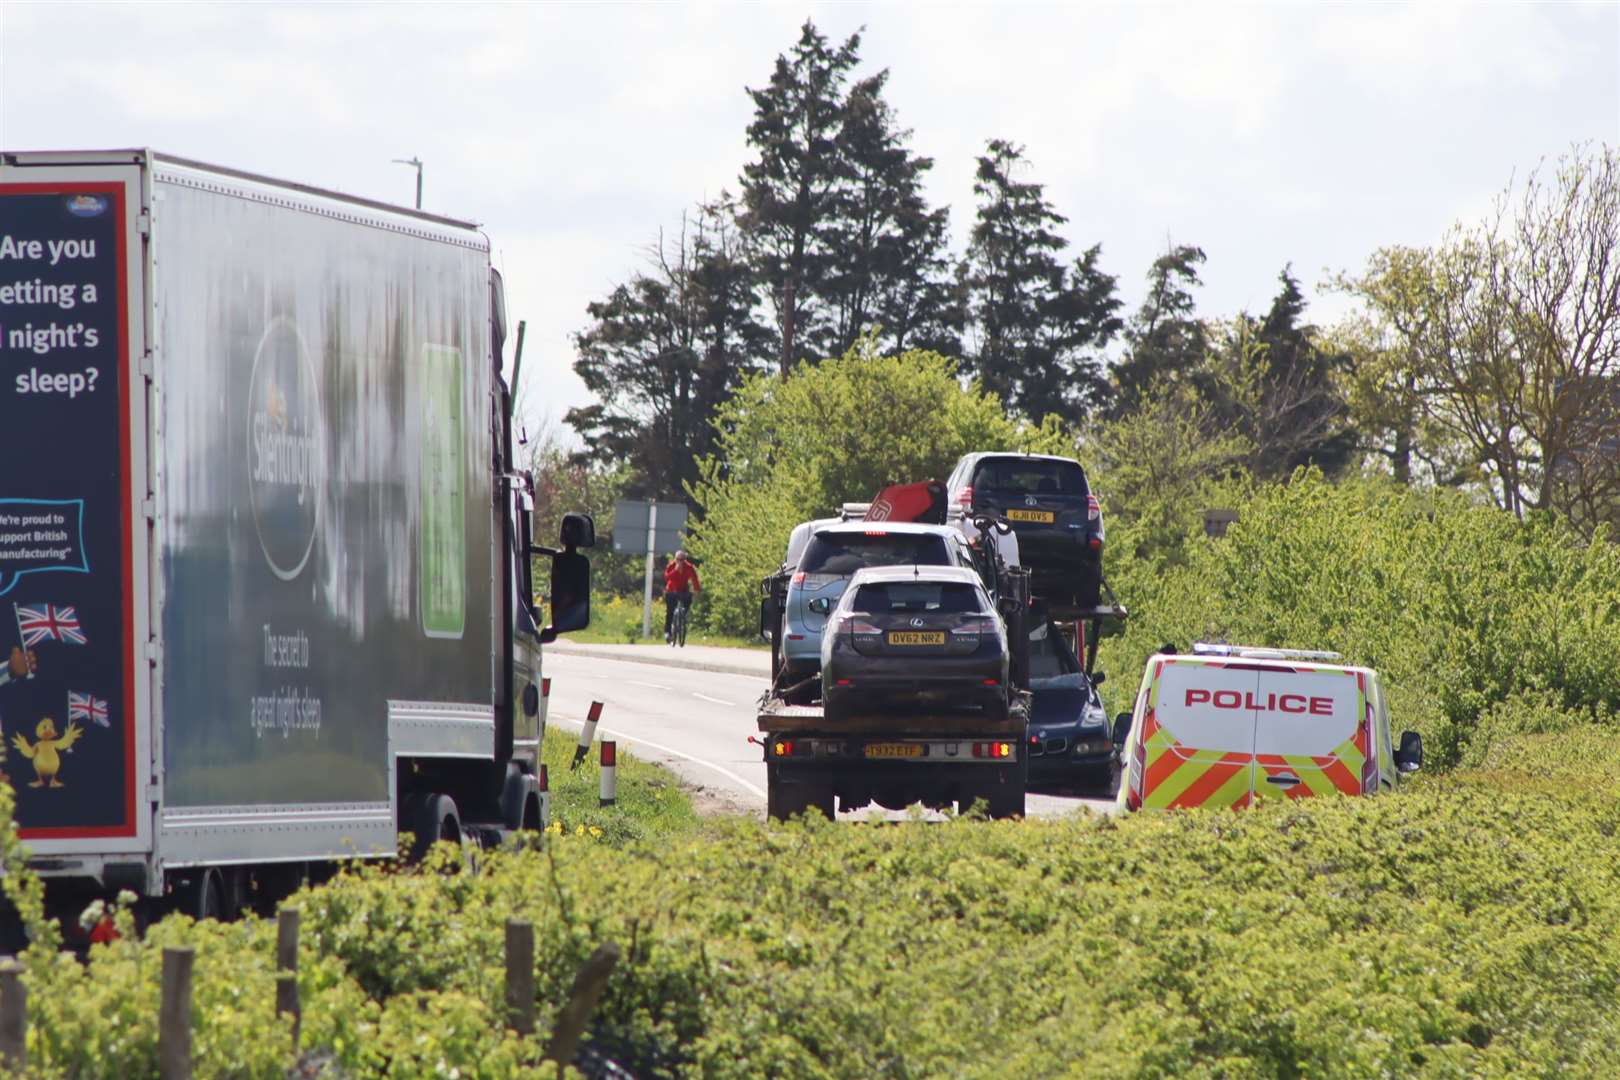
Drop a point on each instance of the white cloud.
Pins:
(1267, 133)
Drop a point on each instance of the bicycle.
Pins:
(677, 629)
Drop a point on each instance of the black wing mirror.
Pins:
(1409, 758)
(1097, 679)
(1122, 728)
(570, 577)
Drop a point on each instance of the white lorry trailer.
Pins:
(264, 554)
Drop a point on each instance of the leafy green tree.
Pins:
(789, 189)
(1037, 326)
(1508, 335)
(663, 350)
(1164, 339)
(794, 448)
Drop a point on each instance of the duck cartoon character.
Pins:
(46, 753)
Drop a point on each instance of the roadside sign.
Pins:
(648, 528)
(630, 520)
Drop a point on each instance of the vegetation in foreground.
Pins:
(1470, 927)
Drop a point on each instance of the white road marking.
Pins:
(653, 685)
(716, 700)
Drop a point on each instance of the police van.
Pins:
(1229, 725)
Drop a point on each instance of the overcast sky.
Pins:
(1264, 133)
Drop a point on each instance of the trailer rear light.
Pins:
(993, 750)
(791, 748)
(782, 749)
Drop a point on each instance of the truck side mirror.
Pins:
(570, 592)
(1409, 758)
(1122, 728)
(577, 531)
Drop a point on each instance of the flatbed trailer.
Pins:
(893, 759)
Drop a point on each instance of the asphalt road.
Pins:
(697, 723)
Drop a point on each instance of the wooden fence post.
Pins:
(287, 1003)
(174, 1017)
(13, 1017)
(287, 939)
(588, 986)
(520, 976)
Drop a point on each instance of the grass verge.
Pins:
(650, 804)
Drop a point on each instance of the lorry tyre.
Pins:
(432, 818)
(1005, 801)
(208, 897)
(783, 801)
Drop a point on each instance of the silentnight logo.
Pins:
(286, 449)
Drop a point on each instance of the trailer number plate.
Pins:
(916, 637)
(895, 749)
(1045, 517)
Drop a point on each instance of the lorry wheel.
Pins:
(1005, 800)
(433, 818)
(208, 897)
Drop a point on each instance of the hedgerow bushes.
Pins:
(1473, 617)
(1469, 927)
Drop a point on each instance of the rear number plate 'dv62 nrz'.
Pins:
(916, 637)
(892, 749)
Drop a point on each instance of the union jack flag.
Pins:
(86, 707)
(36, 624)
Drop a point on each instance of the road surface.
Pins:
(696, 722)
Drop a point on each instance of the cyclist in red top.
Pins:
(680, 582)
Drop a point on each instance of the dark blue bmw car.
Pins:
(1070, 744)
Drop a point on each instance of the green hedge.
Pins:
(1469, 927)
(1473, 616)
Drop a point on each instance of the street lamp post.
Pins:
(416, 163)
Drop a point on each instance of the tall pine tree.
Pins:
(891, 267)
(788, 191)
(664, 349)
(1164, 339)
(1037, 325)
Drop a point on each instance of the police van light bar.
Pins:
(1261, 652)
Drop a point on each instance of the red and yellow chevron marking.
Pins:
(1178, 776)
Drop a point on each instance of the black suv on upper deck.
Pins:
(1053, 512)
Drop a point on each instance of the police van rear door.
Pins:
(1199, 735)
(1310, 735)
